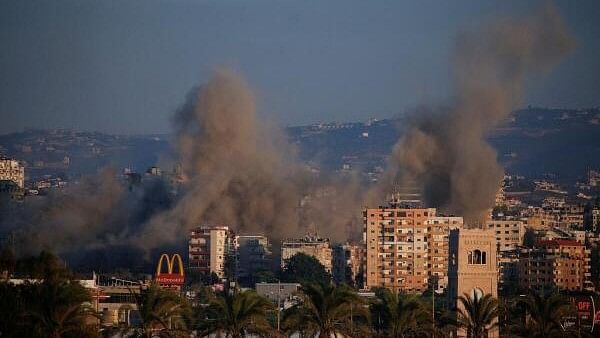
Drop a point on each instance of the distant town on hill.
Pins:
(535, 142)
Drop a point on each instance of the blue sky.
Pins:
(125, 66)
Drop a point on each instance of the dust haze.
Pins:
(240, 171)
(444, 151)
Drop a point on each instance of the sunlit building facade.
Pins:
(406, 248)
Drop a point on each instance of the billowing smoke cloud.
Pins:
(102, 211)
(444, 149)
(242, 173)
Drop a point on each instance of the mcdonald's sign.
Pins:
(170, 278)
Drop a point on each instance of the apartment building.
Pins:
(320, 248)
(565, 217)
(406, 248)
(562, 264)
(253, 255)
(347, 263)
(12, 170)
(509, 233)
(209, 247)
(508, 269)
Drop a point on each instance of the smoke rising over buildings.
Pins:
(242, 172)
(98, 213)
(444, 151)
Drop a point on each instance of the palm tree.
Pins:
(162, 312)
(235, 314)
(11, 310)
(327, 310)
(543, 315)
(478, 314)
(400, 315)
(57, 308)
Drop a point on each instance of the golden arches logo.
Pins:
(170, 264)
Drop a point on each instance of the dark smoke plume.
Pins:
(444, 149)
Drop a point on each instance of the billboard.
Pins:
(170, 279)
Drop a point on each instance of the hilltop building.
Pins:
(551, 215)
(406, 248)
(12, 170)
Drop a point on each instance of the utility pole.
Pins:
(278, 304)
(351, 319)
(433, 307)
(433, 311)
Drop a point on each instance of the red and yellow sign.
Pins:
(170, 278)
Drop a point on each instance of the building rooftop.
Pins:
(558, 242)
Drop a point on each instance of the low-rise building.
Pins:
(278, 292)
(320, 248)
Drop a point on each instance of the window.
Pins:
(477, 257)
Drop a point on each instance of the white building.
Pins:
(209, 247)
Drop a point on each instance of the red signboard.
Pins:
(170, 279)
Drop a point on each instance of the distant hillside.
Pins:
(534, 142)
(75, 153)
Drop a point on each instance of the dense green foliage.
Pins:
(541, 315)
(161, 312)
(305, 269)
(53, 304)
(50, 306)
(478, 315)
(327, 310)
(234, 314)
(397, 315)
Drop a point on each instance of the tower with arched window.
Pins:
(472, 266)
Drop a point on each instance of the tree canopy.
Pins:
(305, 269)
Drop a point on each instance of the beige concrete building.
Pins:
(509, 233)
(562, 264)
(12, 170)
(565, 217)
(209, 247)
(473, 269)
(406, 248)
(320, 248)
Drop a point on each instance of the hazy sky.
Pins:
(125, 66)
